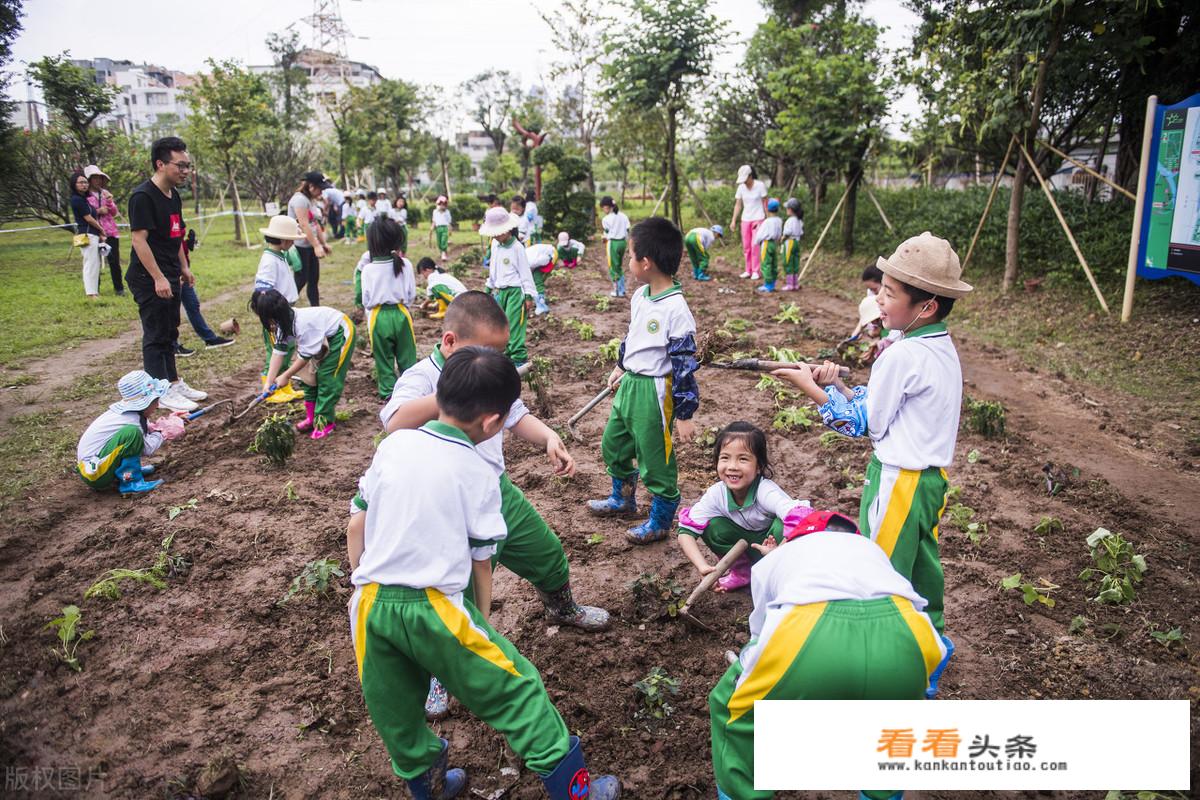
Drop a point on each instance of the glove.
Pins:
(171, 427)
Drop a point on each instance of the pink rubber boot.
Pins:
(306, 424)
(738, 575)
(321, 433)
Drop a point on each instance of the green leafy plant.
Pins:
(289, 490)
(611, 350)
(767, 382)
(314, 579)
(975, 531)
(786, 354)
(654, 691)
(66, 627)
(985, 417)
(342, 415)
(275, 439)
(737, 325)
(1167, 638)
(706, 438)
(1047, 526)
(832, 440)
(789, 313)
(791, 417)
(595, 538)
(655, 596)
(1078, 623)
(539, 380)
(959, 515)
(1031, 593)
(1116, 566)
(973, 457)
(175, 511)
(603, 301)
(586, 331)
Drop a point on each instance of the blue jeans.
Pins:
(191, 304)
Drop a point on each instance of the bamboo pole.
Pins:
(661, 197)
(991, 197)
(1087, 169)
(825, 230)
(1135, 235)
(695, 197)
(1066, 228)
(879, 208)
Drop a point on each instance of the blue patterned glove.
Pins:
(847, 417)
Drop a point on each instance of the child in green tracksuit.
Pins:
(427, 518)
(320, 334)
(767, 237)
(616, 228)
(440, 219)
(909, 408)
(277, 271)
(510, 279)
(832, 620)
(112, 447)
(654, 384)
(793, 232)
(542, 260)
(440, 287)
(697, 242)
(388, 288)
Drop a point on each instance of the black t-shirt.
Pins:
(82, 208)
(162, 219)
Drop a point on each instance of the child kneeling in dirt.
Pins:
(427, 518)
(570, 251)
(276, 272)
(440, 287)
(744, 504)
(112, 447)
(909, 408)
(322, 335)
(654, 384)
(832, 620)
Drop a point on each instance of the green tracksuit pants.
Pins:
(900, 511)
(882, 649)
(443, 237)
(269, 341)
(539, 280)
(722, 533)
(616, 258)
(769, 259)
(100, 472)
(512, 300)
(393, 343)
(639, 427)
(404, 238)
(696, 254)
(402, 636)
(331, 376)
(791, 256)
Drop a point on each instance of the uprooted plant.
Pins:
(539, 381)
(275, 439)
(66, 627)
(166, 565)
(985, 417)
(1031, 593)
(656, 597)
(1116, 566)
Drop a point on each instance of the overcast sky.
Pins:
(423, 41)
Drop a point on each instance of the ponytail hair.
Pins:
(272, 307)
(608, 201)
(383, 237)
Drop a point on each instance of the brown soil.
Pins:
(211, 684)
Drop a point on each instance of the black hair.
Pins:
(872, 273)
(472, 311)
(607, 202)
(491, 199)
(162, 148)
(272, 240)
(944, 304)
(517, 199)
(383, 237)
(657, 239)
(753, 173)
(752, 436)
(372, 196)
(427, 263)
(530, 197)
(75, 176)
(271, 306)
(476, 381)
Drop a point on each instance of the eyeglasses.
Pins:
(183, 165)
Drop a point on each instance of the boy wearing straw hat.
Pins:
(112, 447)
(510, 279)
(909, 408)
(276, 272)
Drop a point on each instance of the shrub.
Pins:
(466, 209)
(566, 203)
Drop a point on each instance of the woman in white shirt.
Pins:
(751, 200)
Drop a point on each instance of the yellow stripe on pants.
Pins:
(778, 655)
(899, 504)
(459, 624)
(372, 315)
(668, 410)
(101, 467)
(923, 631)
(349, 336)
(366, 599)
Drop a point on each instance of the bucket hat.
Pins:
(927, 262)
(138, 390)
(497, 221)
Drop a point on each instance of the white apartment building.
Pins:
(475, 145)
(149, 95)
(329, 77)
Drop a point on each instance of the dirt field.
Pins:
(180, 684)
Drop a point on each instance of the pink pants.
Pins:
(750, 251)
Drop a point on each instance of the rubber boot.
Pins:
(614, 292)
(896, 796)
(721, 795)
(788, 285)
(310, 409)
(570, 780)
(321, 433)
(621, 503)
(621, 286)
(658, 527)
(562, 608)
(436, 783)
(703, 276)
(932, 691)
(738, 575)
(437, 702)
(540, 306)
(767, 287)
(131, 478)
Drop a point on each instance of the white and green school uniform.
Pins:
(535, 222)
(441, 227)
(571, 253)
(111, 438)
(616, 228)
(832, 620)
(659, 385)
(697, 242)
(433, 506)
(542, 259)
(532, 550)
(720, 521)
(909, 408)
(510, 281)
(793, 232)
(315, 328)
(767, 236)
(275, 272)
(386, 297)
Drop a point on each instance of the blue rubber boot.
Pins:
(658, 527)
(131, 478)
(767, 288)
(570, 780)
(621, 286)
(703, 276)
(721, 795)
(932, 691)
(436, 783)
(540, 305)
(896, 796)
(621, 503)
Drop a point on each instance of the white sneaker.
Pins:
(174, 401)
(744, 275)
(189, 392)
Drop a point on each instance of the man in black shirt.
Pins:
(157, 269)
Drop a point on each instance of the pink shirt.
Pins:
(108, 222)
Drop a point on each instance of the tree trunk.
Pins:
(849, 208)
(672, 168)
(237, 207)
(1094, 183)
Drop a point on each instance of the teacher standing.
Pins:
(311, 248)
(751, 201)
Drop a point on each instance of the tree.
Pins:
(627, 135)
(493, 95)
(229, 106)
(659, 59)
(565, 206)
(289, 81)
(75, 97)
(272, 162)
(442, 127)
(10, 26)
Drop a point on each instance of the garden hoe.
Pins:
(201, 412)
(685, 610)
(595, 401)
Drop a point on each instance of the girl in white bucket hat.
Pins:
(112, 447)
(510, 278)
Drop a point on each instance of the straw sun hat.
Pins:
(928, 263)
(282, 226)
(498, 220)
